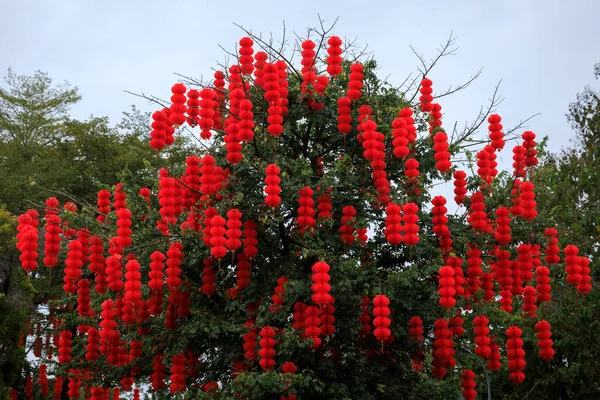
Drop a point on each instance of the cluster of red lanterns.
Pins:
(393, 224)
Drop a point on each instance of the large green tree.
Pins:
(202, 339)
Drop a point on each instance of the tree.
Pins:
(305, 254)
(41, 147)
(567, 183)
(44, 152)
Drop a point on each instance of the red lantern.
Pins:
(552, 256)
(365, 317)
(494, 363)
(515, 354)
(481, 331)
(477, 216)
(411, 228)
(519, 156)
(344, 118)
(460, 185)
(324, 205)
(43, 380)
(178, 107)
(381, 322)
(208, 278)
(158, 135)
(487, 286)
(178, 373)
(468, 384)
(426, 98)
(333, 60)
(446, 287)
(527, 201)
(495, 128)
(443, 349)
(246, 123)
(246, 59)
(573, 269)
(103, 204)
(312, 324)
(306, 212)
(73, 265)
(217, 240)
(456, 325)
(474, 271)
(234, 232)
(272, 189)
(355, 81)
(529, 298)
(92, 350)
(393, 224)
(529, 145)
(347, 228)
(267, 351)
(250, 241)
(503, 229)
(320, 286)
(52, 240)
(442, 156)
(64, 347)
(243, 271)
(584, 287)
(544, 343)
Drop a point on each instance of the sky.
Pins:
(543, 51)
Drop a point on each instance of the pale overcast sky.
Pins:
(543, 51)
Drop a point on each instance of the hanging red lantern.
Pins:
(477, 216)
(64, 347)
(584, 287)
(178, 374)
(393, 224)
(456, 325)
(381, 322)
(572, 268)
(250, 241)
(312, 322)
(426, 98)
(217, 240)
(552, 250)
(344, 117)
(515, 354)
(519, 156)
(487, 285)
(320, 286)
(443, 349)
(474, 271)
(411, 228)
(234, 232)
(446, 289)
(496, 136)
(272, 189)
(178, 107)
(243, 271)
(527, 201)
(494, 363)
(333, 60)
(468, 384)
(73, 265)
(92, 350)
(103, 204)
(324, 205)
(43, 380)
(306, 212)
(544, 343)
(460, 186)
(442, 156)
(158, 135)
(503, 229)
(529, 298)
(246, 59)
(481, 331)
(208, 278)
(529, 145)
(347, 228)
(355, 81)
(52, 240)
(267, 348)
(246, 123)
(328, 319)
